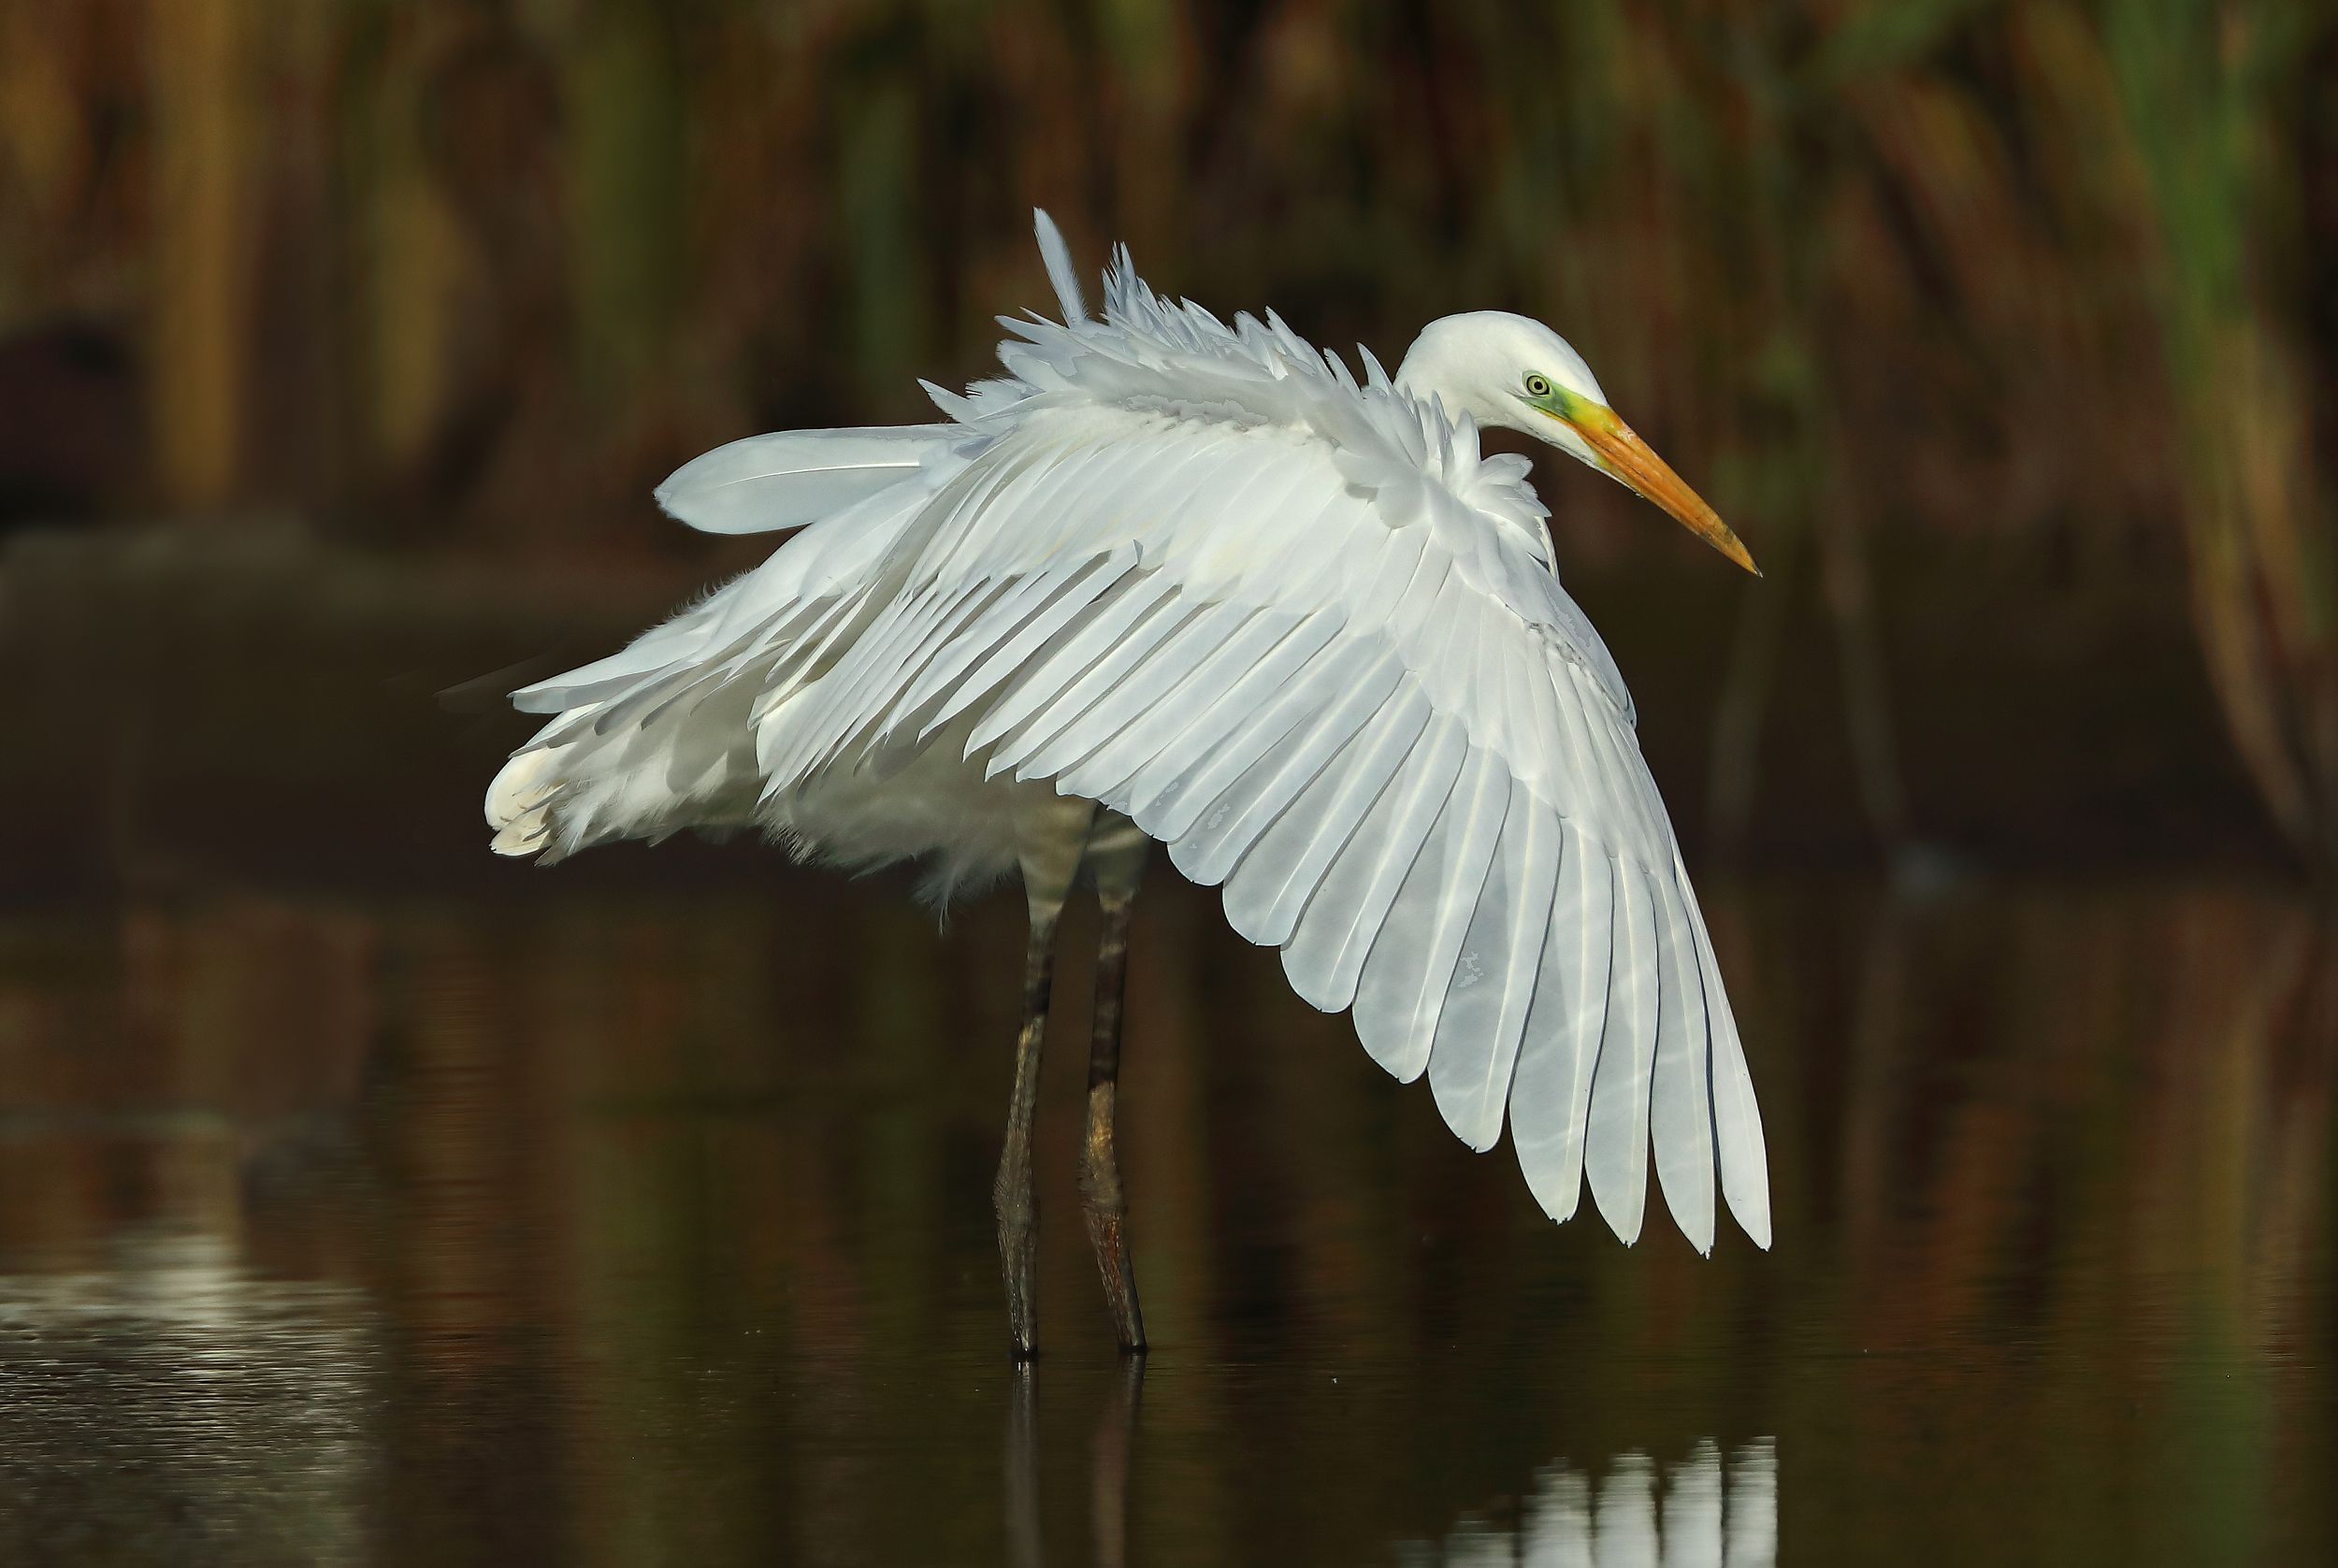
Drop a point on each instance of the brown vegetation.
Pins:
(1958, 284)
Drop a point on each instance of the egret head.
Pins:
(1514, 372)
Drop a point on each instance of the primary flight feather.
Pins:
(1285, 618)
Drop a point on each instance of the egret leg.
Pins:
(1011, 1195)
(1051, 858)
(1116, 857)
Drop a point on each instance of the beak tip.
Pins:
(1623, 456)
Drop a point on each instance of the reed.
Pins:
(1946, 279)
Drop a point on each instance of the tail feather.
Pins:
(691, 764)
(662, 734)
(519, 799)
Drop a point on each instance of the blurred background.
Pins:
(633, 1210)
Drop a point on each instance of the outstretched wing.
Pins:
(1293, 625)
(1331, 683)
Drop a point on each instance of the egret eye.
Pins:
(1538, 385)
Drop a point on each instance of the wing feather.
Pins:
(994, 619)
(1176, 785)
(1615, 1128)
(768, 484)
(1325, 959)
(1680, 1116)
(1134, 718)
(1550, 1095)
(1298, 628)
(1079, 590)
(1268, 895)
(1101, 642)
(1169, 694)
(1411, 968)
(1252, 805)
(1738, 1140)
(1206, 801)
(1478, 1032)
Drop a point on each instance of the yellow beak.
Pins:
(1628, 458)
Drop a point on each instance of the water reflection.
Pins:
(170, 1409)
(1634, 1514)
(1703, 1521)
(1109, 1456)
(617, 1227)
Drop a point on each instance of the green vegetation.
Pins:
(1956, 281)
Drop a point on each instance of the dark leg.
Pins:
(1011, 1195)
(1116, 855)
(1053, 840)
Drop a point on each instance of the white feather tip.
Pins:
(1058, 256)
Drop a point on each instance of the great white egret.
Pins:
(1168, 578)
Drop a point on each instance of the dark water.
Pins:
(572, 1223)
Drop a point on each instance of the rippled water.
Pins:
(568, 1223)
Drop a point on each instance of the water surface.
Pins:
(572, 1222)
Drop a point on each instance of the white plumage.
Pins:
(1290, 621)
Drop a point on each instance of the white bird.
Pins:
(1171, 579)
